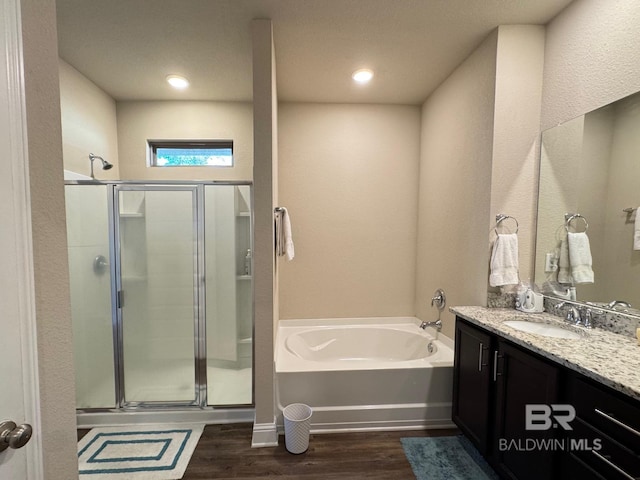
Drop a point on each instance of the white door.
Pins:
(18, 378)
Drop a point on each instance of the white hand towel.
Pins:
(564, 267)
(636, 231)
(504, 260)
(288, 239)
(580, 257)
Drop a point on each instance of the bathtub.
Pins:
(361, 374)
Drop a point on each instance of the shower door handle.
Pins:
(120, 299)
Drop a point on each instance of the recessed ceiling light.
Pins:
(363, 75)
(177, 81)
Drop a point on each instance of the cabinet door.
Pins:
(522, 379)
(471, 383)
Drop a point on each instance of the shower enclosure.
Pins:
(161, 294)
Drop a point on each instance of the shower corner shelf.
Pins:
(243, 214)
(244, 277)
(131, 215)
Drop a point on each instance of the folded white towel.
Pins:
(564, 267)
(504, 260)
(580, 257)
(636, 231)
(288, 239)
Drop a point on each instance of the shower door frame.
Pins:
(200, 347)
(234, 412)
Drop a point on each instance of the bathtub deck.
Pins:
(224, 453)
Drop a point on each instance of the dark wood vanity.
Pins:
(494, 381)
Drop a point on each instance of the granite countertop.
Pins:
(609, 358)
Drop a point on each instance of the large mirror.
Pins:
(590, 169)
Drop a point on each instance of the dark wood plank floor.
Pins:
(224, 452)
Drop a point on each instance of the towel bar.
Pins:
(502, 217)
(568, 217)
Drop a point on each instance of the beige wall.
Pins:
(265, 199)
(518, 93)
(455, 182)
(621, 264)
(142, 121)
(560, 153)
(348, 176)
(594, 194)
(592, 57)
(88, 124)
(50, 266)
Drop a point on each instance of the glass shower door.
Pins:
(157, 293)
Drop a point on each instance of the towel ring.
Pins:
(501, 217)
(573, 216)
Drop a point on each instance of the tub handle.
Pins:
(480, 351)
(439, 300)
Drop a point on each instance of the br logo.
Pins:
(540, 416)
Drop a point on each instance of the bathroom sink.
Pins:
(544, 329)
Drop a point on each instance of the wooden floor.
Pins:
(224, 452)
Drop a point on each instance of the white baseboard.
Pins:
(379, 418)
(264, 435)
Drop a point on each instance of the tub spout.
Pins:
(437, 324)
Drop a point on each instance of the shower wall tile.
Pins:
(88, 211)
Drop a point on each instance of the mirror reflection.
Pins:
(588, 239)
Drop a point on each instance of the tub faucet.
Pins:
(437, 324)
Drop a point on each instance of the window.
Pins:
(214, 153)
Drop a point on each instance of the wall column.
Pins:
(265, 161)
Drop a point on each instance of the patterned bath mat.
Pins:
(450, 458)
(143, 452)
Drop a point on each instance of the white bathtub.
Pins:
(365, 373)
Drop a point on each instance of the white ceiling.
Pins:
(127, 47)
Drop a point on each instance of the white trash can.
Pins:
(297, 424)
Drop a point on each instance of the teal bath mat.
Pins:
(143, 452)
(446, 458)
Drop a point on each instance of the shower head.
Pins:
(105, 165)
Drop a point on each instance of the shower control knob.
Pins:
(14, 436)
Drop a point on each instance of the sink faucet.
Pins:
(437, 324)
(583, 316)
(573, 315)
(612, 305)
(587, 317)
(557, 308)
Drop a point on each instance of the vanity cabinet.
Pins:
(493, 383)
(608, 418)
(494, 380)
